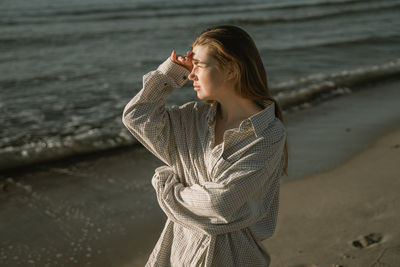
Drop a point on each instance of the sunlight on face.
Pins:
(209, 78)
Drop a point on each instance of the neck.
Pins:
(236, 110)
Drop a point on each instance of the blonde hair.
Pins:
(232, 46)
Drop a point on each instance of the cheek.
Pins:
(216, 78)
(203, 76)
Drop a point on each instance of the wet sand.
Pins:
(100, 210)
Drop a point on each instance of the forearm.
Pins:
(209, 210)
(145, 115)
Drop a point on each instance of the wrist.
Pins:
(178, 73)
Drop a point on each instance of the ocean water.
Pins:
(67, 68)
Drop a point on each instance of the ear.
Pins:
(230, 71)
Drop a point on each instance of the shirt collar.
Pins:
(262, 119)
(258, 121)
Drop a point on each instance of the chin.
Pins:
(200, 97)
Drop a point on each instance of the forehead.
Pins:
(201, 53)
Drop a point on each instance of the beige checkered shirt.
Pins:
(221, 201)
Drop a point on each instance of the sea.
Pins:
(68, 68)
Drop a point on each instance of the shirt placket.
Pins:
(207, 156)
(213, 154)
(202, 250)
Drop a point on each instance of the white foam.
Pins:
(298, 91)
(289, 94)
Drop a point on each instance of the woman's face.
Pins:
(209, 79)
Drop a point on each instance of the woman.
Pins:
(224, 157)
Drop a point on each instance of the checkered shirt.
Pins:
(221, 201)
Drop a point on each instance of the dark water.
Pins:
(67, 68)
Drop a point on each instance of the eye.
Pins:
(195, 66)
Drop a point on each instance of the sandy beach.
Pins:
(339, 204)
(348, 216)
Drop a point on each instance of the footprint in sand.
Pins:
(368, 240)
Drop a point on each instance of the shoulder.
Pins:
(260, 147)
(270, 143)
(275, 131)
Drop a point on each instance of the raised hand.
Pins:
(185, 61)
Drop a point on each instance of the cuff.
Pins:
(164, 179)
(177, 73)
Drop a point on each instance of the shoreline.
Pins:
(302, 92)
(290, 109)
(325, 134)
(101, 210)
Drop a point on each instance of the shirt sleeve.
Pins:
(146, 117)
(239, 198)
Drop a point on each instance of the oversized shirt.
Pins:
(221, 201)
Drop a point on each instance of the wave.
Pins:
(372, 40)
(72, 38)
(62, 39)
(157, 11)
(306, 17)
(43, 79)
(288, 94)
(82, 11)
(315, 4)
(204, 9)
(61, 147)
(65, 76)
(295, 92)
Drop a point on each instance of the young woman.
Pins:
(224, 157)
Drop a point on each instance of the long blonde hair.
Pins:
(231, 45)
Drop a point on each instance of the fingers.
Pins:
(173, 56)
(189, 54)
(182, 59)
(185, 61)
(177, 59)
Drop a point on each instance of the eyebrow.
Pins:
(197, 61)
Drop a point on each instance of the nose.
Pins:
(192, 76)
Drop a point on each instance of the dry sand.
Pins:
(349, 216)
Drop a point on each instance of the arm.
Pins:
(238, 198)
(146, 117)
